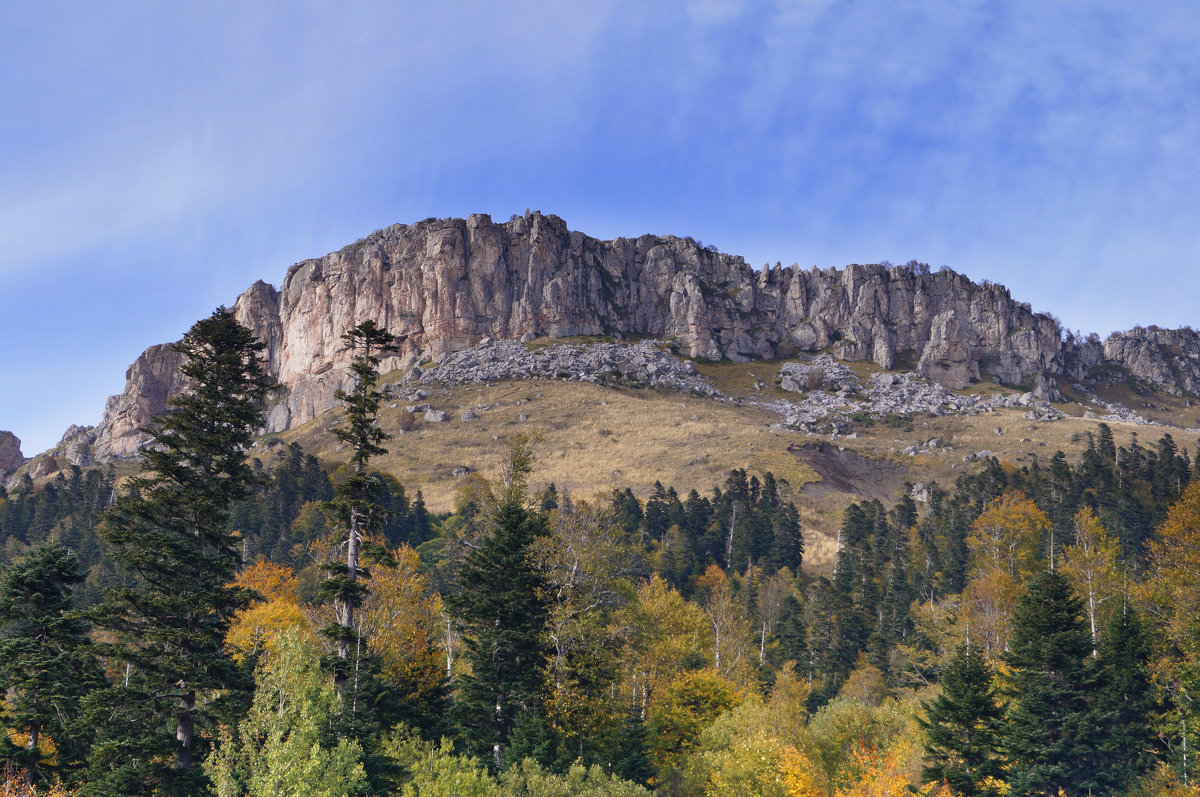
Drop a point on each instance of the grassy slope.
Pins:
(593, 439)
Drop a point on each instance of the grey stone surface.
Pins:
(446, 285)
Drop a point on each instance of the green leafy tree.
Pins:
(1052, 730)
(285, 746)
(500, 607)
(963, 728)
(679, 717)
(47, 664)
(168, 533)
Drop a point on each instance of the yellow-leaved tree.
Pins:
(664, 634)
(679, 716)
(399, 620)
(256, 628)
(1172, 593)
(1093, 567)
(1007, 536)
(1004, 545)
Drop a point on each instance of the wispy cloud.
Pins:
(1051, 146)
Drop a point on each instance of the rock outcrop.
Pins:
(443, 285)
(1168, 359)
(152, 379)
(76, 445)
(10, 453)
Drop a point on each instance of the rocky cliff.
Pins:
(10, 453)
(443, 285)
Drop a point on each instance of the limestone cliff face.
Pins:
(442, 285)
(10, 453)
(1169, 359)
(152, 379)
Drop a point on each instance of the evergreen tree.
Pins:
(963, 728)
(793, 635)
(1125, 702)
(500, 607)
(356, 501)
(1053, 729)
(46, 664)
(168, 532)
(631, 760)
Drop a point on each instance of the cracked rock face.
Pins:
(1168, 359)
(445, 285)
(10, 453)
(76, 445)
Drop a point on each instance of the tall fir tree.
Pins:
(964, 729)
(47, 665)
(168, 532)
(1053, 729)
(500, 606)
(1125, 700)
(356, 504)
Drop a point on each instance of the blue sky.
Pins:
(157, 158)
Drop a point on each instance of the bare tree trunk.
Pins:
(185, 731)
(346, 606)
(729, 542)
(31, 746)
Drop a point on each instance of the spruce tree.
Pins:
(168, 533)
(47, 664)
(963, 728)
(1053, 729)
(1125, 702)
(501, 610)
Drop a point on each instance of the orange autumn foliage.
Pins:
(256, 628)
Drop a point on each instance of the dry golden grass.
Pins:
(591, 439)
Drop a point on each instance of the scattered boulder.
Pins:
(643, 363)
(821, 373)
(897, 394)
(434, 416)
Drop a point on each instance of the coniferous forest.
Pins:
(221, 624)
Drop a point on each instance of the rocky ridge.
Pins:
(443, 285)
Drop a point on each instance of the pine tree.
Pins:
(46, 664)
(168, 532)
(500, 607)
(963, 728)
(1053, 730)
